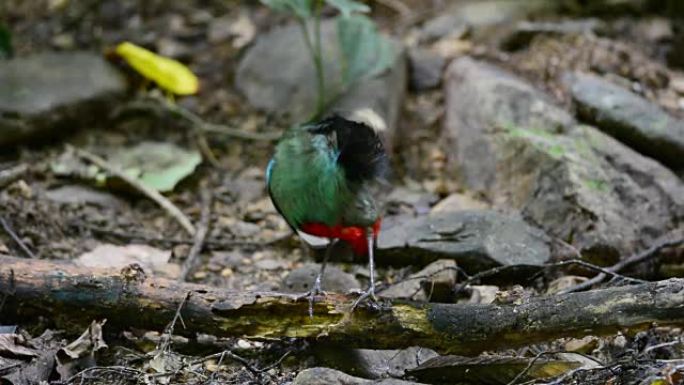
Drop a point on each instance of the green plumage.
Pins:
(308, 185)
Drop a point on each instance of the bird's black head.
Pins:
(361, 151)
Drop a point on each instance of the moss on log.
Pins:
(73, 296)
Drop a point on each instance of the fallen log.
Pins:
(72, 296)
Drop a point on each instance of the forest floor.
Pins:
(50, 213)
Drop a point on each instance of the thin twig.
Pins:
(117, 369)
(205, 149)
(663, 242)
(499, 269)
(161, 200)
(520, 375)
(8, 229)
(600, 269)
(6, 369)
(227, 353)
(165, 340)
(212, 243)
(482, 274)
(202, 125)
(218, 366)
(277, 363)
(200, 235)
(662, 345)
(9, 292)
(11, 174)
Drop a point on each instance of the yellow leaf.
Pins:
(169, 74)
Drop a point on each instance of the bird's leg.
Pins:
(317, 283)
(370, 293)
(316, 289)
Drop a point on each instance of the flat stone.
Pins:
(326, 376)
(51, 93)
(242, 229)
(484, 294)
(628, 117)
(476, 240)
(425, 69)
(334, 279)
(458, 202)
(419, 201)
(373, 364)
(277, 76)
(75, 194)
(511, 143)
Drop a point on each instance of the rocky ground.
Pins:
(522, 134)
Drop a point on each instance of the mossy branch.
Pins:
(73, 296)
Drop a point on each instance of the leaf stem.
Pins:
(314, 48)
(318, 61)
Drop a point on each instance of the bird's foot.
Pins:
(311, 296)
(367, 296)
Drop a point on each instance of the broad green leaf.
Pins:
(169, 74)
(6, 49)
(157, 165)
(347, 7)
(300, 8)
(365, 53)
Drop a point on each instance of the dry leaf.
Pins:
(117, 257)
(14, 346)
(244, 31)
(80, 354)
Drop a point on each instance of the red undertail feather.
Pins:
(354, 235)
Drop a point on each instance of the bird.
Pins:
(325, 178)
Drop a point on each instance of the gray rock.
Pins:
(482, 99)
(50, 93)
(483, 294)
(477, 15)
(628, 117)
(325, 376)
(334, 279)
(458, 202)
(75, 194)
(573, 181)
(419, 201)
(425, 69)
(242, 229)
(374, 364)
(477, 240)
(435, 283)
(277, 75)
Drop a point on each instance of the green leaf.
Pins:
(347, 7)
(157, 165)
(365, 53)
(6, 50)
(160, 166)
(300, 8)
